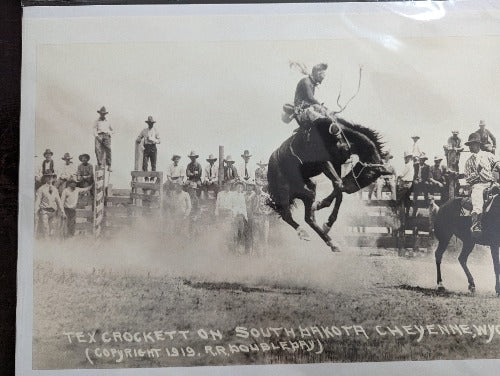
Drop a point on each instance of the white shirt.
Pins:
(102, 126)
(150, 136)
(67, 171)
(211, 173)
(47, 197)
(175, 171)
(239, 204)
(408, 172)
(69, 197)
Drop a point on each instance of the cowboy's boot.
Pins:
(476, 225)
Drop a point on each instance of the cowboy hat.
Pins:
(417, 137)
(150, 120)
(211, 157)
(229, 159)
(455, 132)
(473, 139)
(66, 157)
(246, 153)
(423, 156)
(408, 154)
(193, 154)
(175, 156)
(80, 157)
(262, 164)
(436, 158)
(482, 122)
(48, 151)
(102, 110)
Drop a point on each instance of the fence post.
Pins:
(221, 165)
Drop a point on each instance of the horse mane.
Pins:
(371, 134)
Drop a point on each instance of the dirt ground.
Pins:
(142, 285)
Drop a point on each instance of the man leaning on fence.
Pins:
(479, 175)
(47, 206)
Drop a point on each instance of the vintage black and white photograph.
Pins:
(245, 200)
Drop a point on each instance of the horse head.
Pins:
(366, 144)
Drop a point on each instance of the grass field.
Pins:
(142, 285)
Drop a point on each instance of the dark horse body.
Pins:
(449, 222)
(299, 158)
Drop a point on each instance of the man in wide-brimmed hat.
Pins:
(261, 174)
(193, 174)
(48, 205)
(479, 170)
(230, 171)
(102, 133)
(247, 169)
(69, 200)
(175, 172)
(486, 137)
(151, 138)
(66, 171)
(421, 182)
(211, 175)
(452, 151)
(405, 182)
(47, 167)
(438, 179)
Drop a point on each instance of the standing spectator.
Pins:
(486, 137)
(261, 213)
(223, 204)
(46, 168)
(261, 174)
(438, 179)
(386, 180)
(193, 174)
(175, 172)
(230, 171)
(69, 199)
(67, 172)
(479, 175)
(151, 137)
(240, 214)
(415, 151)
(421, 182)
(85, 178)
(405, 183)
(48, 205)
(180, 203)
(452, 151)
(211, 176)
(247, 171)
(102, 133)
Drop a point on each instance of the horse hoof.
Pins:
(440, 287)
(472, 289)
(303, 235)
(326, 228)
(333, 247)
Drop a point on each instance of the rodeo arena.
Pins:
(244, 198)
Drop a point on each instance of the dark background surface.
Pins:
(10, 74)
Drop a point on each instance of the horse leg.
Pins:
(441, 249)
(467, 248)
(496, 266)
(308, 198)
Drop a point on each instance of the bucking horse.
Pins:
(303, 156)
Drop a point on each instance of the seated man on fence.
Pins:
(261, 174)
(438, 177)
(230, 172)
(66, 172)
(85, 178)
(211, 176)
(69, 201)
(175, 173)
(47, 207)
(479, 175)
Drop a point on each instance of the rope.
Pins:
(293, 151)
